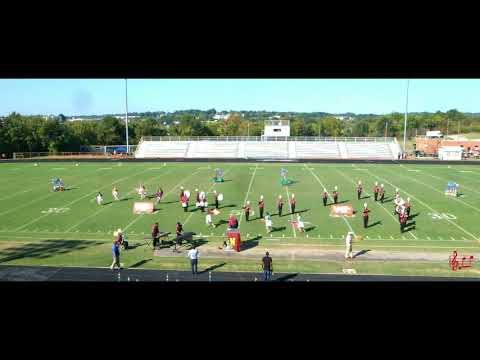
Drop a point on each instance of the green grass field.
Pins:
(40, 227)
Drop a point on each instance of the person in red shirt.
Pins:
(403, 221)
(232, 222)
(335, 195)
(179, 233)
(247, 209)
(325, 197)
(375, 191)
(359, 190)
(365, 215)
(261, 205)
(381, 192)
(293, 202)
(184, 201)
(280, 205)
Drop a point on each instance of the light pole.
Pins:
(405, 124)
(386, 130)
(126, 115)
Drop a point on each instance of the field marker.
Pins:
(391, 237)
(104, 169)
(331, 237)
(451, 237)
(331, 198)
(248, 192)
(428, 238)
(428, 206)
(413, 170)
(466, 171)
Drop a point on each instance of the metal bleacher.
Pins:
(267, 148)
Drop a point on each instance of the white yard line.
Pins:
(166, 194)
(80, 198)
(441, 192)
(331, 198)
(291, 215)
(106, 206)
(376, 202)
(427, 206)
(248, 192)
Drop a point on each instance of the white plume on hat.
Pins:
(408, 199)
(335, 187)
(359, 182)
(196, 189)
(248, 202)
(396, 190)
(381, 185)
(293, 195)
(376, 183)
(324, 190)
(261, 197)
(365, 205)
(279, 196)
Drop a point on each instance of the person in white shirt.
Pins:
(268, 222)
(209, 219)
(99, 199)
(193, 256)
(115, 193)
(300, 224)
(348, 243)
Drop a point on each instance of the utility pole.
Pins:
(126, 115)
(386, 130)
(405, 124)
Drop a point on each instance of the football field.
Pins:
(42, 227)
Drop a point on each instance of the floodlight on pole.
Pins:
(126, 115)
(405, 124)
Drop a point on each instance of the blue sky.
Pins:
(100, 96)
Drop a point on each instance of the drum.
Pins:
(220, 197)
(197, 204)
(184, 204)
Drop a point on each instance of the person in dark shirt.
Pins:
(325, 197)
(247, 209)
(261, 206)
(280, 205)
(381, 192)
(155, 235)
(335, 195)
(359, 190)
(293, 202)
(216, 198)
(267, 266)
(179, 233)
(365, 215)
(375, 191)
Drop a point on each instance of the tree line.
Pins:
(19, 133)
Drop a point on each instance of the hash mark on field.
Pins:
(413, 170)
(464, 238)
(428, 238)
(391, 237)
(451, 237)
(466, 171)
(331, 237)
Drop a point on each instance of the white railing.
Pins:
(269, 138)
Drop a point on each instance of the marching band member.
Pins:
(216, 198)
(268, 222)
(335, 195)
(408, 205)
(208, 219)
(365, 215)
(184, 202)
(381, 192)
(159, 194)
(293, 203)
(325, 197)
(247, 209)
(376, 189)
(181, 192)
(397, 193)
(202, 201)
(403, 221)
(300, 224)
(280, 205)
(155, 235)
(261, 205)
(232, 222)
(348, 245)
(179, 233)
(99, 198)
(359, 190)
(142, 192)
(115, 193)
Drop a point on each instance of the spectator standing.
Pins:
(193, 256)
(267, 266)
(348, 244)
(116, 255)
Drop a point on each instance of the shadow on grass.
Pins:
(307, 229)
(387, 200)
(197, 243)
(365, 197)
(136, 245)
(140, 263)
(213, 267)
(286, 277)
(227, 206)
(375, 223)
(251, 243)
(275, 229)
(45, 249)
(340, 202)
(413, 216)
(360, 253)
